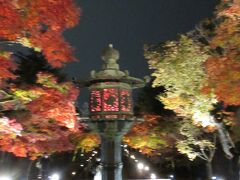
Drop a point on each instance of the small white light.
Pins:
(55, 177)
(214, 177)
(132, 156)
(171, 176)
(125, 145)
(5, 178)
(95, 152)
(140, 166)
(82, 155)
(153, 176)
(136, 160)
(146, 168)
(81, 165)
(73, 173)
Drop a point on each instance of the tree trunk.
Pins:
(29, 169)
(209, 170)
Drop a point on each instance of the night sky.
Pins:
(128, 24)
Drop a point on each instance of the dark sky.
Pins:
(128, 24)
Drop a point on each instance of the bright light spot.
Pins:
(125, 145)
(214, 177)
(132, 156)
(146, 168)
(140, 166)
(82, 155)
(171, 176)
(5, 178)
(81, 165)
(55, 177)
(153, 176)
(95, 152)
(98, 159)
(98, 176)
(73, 173)
(136, 160)
(205, 119)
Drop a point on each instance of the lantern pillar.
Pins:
(111, 133)
(111, 158)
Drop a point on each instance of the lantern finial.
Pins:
(110, 56)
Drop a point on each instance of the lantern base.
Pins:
(111, 133)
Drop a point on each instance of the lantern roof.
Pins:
(111, 72)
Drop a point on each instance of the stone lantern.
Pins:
(111, 110)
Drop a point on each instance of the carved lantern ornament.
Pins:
(111, 89)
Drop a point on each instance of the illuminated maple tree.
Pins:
(39, 24)
(223, 66)
(201, 70)
(37, 109)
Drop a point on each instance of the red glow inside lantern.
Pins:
(125, 101)
(110, 100)
(95, 100)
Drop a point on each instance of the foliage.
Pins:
(37, 111)
(152, 137)
(87, 142)
(178, 67)
(39, 24)
(194, 144)
(223, 67)
(46, 116)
